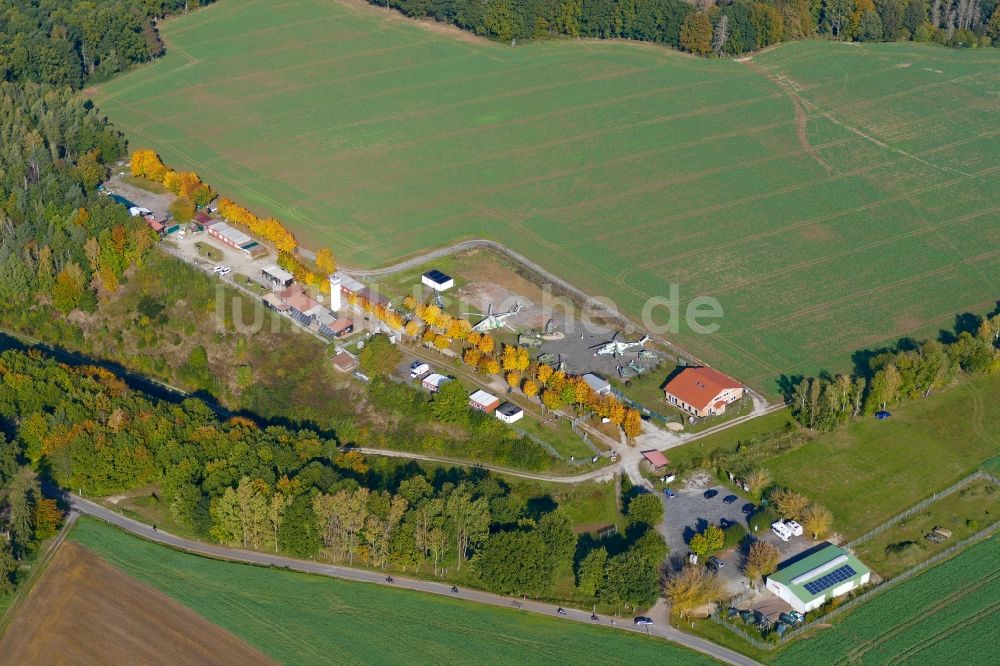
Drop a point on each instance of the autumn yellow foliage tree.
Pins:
(146, 164)
(472, 356)
(513, 379)
(632, 425)
(324, 261)
(489, 365)
(530, 388)
(486, 344)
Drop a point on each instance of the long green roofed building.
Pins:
(808, 582)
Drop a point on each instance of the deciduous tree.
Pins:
(761, 560)
(817, 520)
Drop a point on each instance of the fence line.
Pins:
(584, 436)
(642, 408)
(921, 505)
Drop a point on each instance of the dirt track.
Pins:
(85, 611)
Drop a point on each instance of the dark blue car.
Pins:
(882, 415)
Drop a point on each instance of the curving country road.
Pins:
(660, 628)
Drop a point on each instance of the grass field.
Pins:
(300, 619)
(831, 196)
(873, 470)
(949, 614)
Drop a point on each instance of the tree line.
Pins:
(296, 491)
(909, 371)
(726, 27)
(193, 194)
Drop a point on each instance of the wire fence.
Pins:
(542, 443)
(635, 404)
(920, 506)
(574, 424)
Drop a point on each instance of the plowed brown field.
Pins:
(85, 611)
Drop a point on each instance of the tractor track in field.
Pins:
(798, 314)
(791, 227)
(854, 655)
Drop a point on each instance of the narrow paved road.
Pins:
(660, 628)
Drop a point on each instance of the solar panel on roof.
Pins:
(829, 580)
(303, 319)
(437, 276)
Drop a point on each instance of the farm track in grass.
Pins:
(623, 168)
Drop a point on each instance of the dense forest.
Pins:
(713, 28)
(68, 42)
(294, 491)
(61, 245)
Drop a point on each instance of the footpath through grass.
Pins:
(301, 619)
(626, 169)
(949, 614)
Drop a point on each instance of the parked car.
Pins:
(643, 621)
(748, 508)
(715, 563)
(217, 269)
(669, 493)
(418, 368)
(792, 618)
(725, 522)
(882, 415)
(794, 528)
(710, 493)
(729, 499)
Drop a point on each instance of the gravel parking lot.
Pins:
(689, 512)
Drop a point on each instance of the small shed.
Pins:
(274, 302)
(483, 401)
(597, 384)
(345, 361)
(437, 280)
(434, 381)
(508, 412)
(341, 327)
(279, 278)
(655, 460)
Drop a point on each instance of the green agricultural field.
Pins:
(949, 614)
(301, 619)
(831, 196)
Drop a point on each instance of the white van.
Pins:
(418, 368)
(794, 528)
(781, 531)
